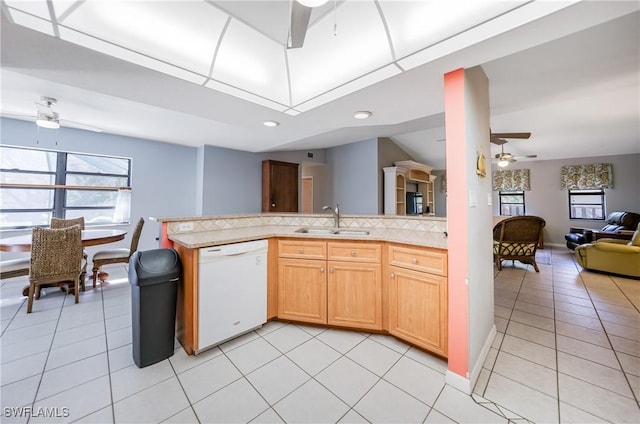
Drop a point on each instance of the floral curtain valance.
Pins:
(511, 179)
(582, 177)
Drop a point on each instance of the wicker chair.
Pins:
(56, 256)
(115, 256)
(516, 238)
(57, 223)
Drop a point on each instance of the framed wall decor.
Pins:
(481, 165)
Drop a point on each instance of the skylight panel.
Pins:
(359, 46)
(252, 61)
(181, 33)
(416, 25)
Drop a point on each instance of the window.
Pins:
(36, 185)
(512, 202)
(586, 204)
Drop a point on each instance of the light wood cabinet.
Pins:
(302, 294)
(418, 297)
(335, 283)
(354, 285)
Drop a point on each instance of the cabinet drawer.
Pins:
(423, 260)
(303, 249)
(356, 252)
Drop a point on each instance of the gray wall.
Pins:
(163, 175)
(440, 196)
(354, 181)
(548, 201)
(232, 181)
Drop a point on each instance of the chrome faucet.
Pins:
(336, 214)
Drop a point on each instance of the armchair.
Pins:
(516, 238)
(612, 255)
(617, 224)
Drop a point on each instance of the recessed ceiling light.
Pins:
(271, 123)
(363, 114)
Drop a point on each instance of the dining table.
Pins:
(22, 243)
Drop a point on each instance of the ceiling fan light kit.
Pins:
(312, 3)
(46, 121)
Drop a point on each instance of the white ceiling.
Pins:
(571, 78)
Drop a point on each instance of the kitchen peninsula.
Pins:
(379, 274)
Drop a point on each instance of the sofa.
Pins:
(612, 255)
(616, 222)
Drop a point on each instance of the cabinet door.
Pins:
(354, 292)
(418, 308)
(302, 294)
(279, 186)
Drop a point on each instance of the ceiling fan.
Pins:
(46, 117)
(300, 14)
(505, 158)
(500, 138)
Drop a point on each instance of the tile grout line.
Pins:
(615, 353)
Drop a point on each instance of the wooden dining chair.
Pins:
(56, 256)
(115, 256)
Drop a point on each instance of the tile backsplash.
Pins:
(347, 221)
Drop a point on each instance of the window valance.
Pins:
(583, 177)
(511, 179)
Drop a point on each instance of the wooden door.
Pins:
(418, 308)
(302, 290)
(279, 186)
(354, 295)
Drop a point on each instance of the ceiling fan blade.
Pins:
(521, 135)
(298, 26)
(78, 125)
(526, 156)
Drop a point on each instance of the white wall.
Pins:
(547, 200)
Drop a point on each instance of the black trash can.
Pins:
(154, 277)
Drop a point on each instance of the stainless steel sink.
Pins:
(307, 230)
(328, 231)
(351, 232)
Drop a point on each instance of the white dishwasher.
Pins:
(232, 291)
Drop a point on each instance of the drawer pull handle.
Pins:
(300, 250)
(321, 269)
(414, 260)
(393, 275)
(330, 269)
(353, 253)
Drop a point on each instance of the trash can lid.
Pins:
(154, 266)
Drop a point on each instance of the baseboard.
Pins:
(477, 367)
(556, 245)
(464, 384)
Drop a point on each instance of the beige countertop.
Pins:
(196, 240)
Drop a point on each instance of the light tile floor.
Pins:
(567, 350)
(568, 343)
